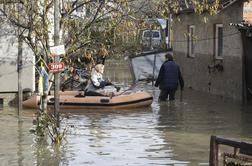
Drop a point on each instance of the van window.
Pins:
(147, 34)
(155, 34)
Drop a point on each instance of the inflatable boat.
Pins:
(74, 100)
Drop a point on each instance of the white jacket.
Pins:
(96, 78)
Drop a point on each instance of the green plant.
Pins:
(47, 125)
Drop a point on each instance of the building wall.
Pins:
(195, 70)
(8, 63)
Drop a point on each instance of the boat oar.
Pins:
(132, 86)
(128, 89)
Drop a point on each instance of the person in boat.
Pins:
(168, 79)
(96, 86)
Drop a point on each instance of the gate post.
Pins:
(214, 151)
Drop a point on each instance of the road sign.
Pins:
(56, 67)
(58, 50)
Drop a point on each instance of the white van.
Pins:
(155, 38)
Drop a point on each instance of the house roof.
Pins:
(189, 7)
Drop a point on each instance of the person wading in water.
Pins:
(168, 79)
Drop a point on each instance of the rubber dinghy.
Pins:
(73, 100)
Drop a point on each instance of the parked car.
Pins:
(152, 37)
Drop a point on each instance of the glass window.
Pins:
(218, 41)
(147, 34)
(191, 41)
(155, 34)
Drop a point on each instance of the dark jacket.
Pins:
(169, 76)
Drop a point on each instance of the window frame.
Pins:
(217, 47)
(191, 41)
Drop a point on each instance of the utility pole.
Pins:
(56, 43)
(19, 69)
(19, 66)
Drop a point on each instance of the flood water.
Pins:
(171, 133)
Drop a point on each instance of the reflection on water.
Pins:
(169, 133)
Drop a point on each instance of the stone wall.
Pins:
(226, 83)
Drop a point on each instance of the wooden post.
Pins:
(214, 150)
(56, 43)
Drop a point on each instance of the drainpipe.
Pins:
(244, 79)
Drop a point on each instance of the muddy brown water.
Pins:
(170, 133)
